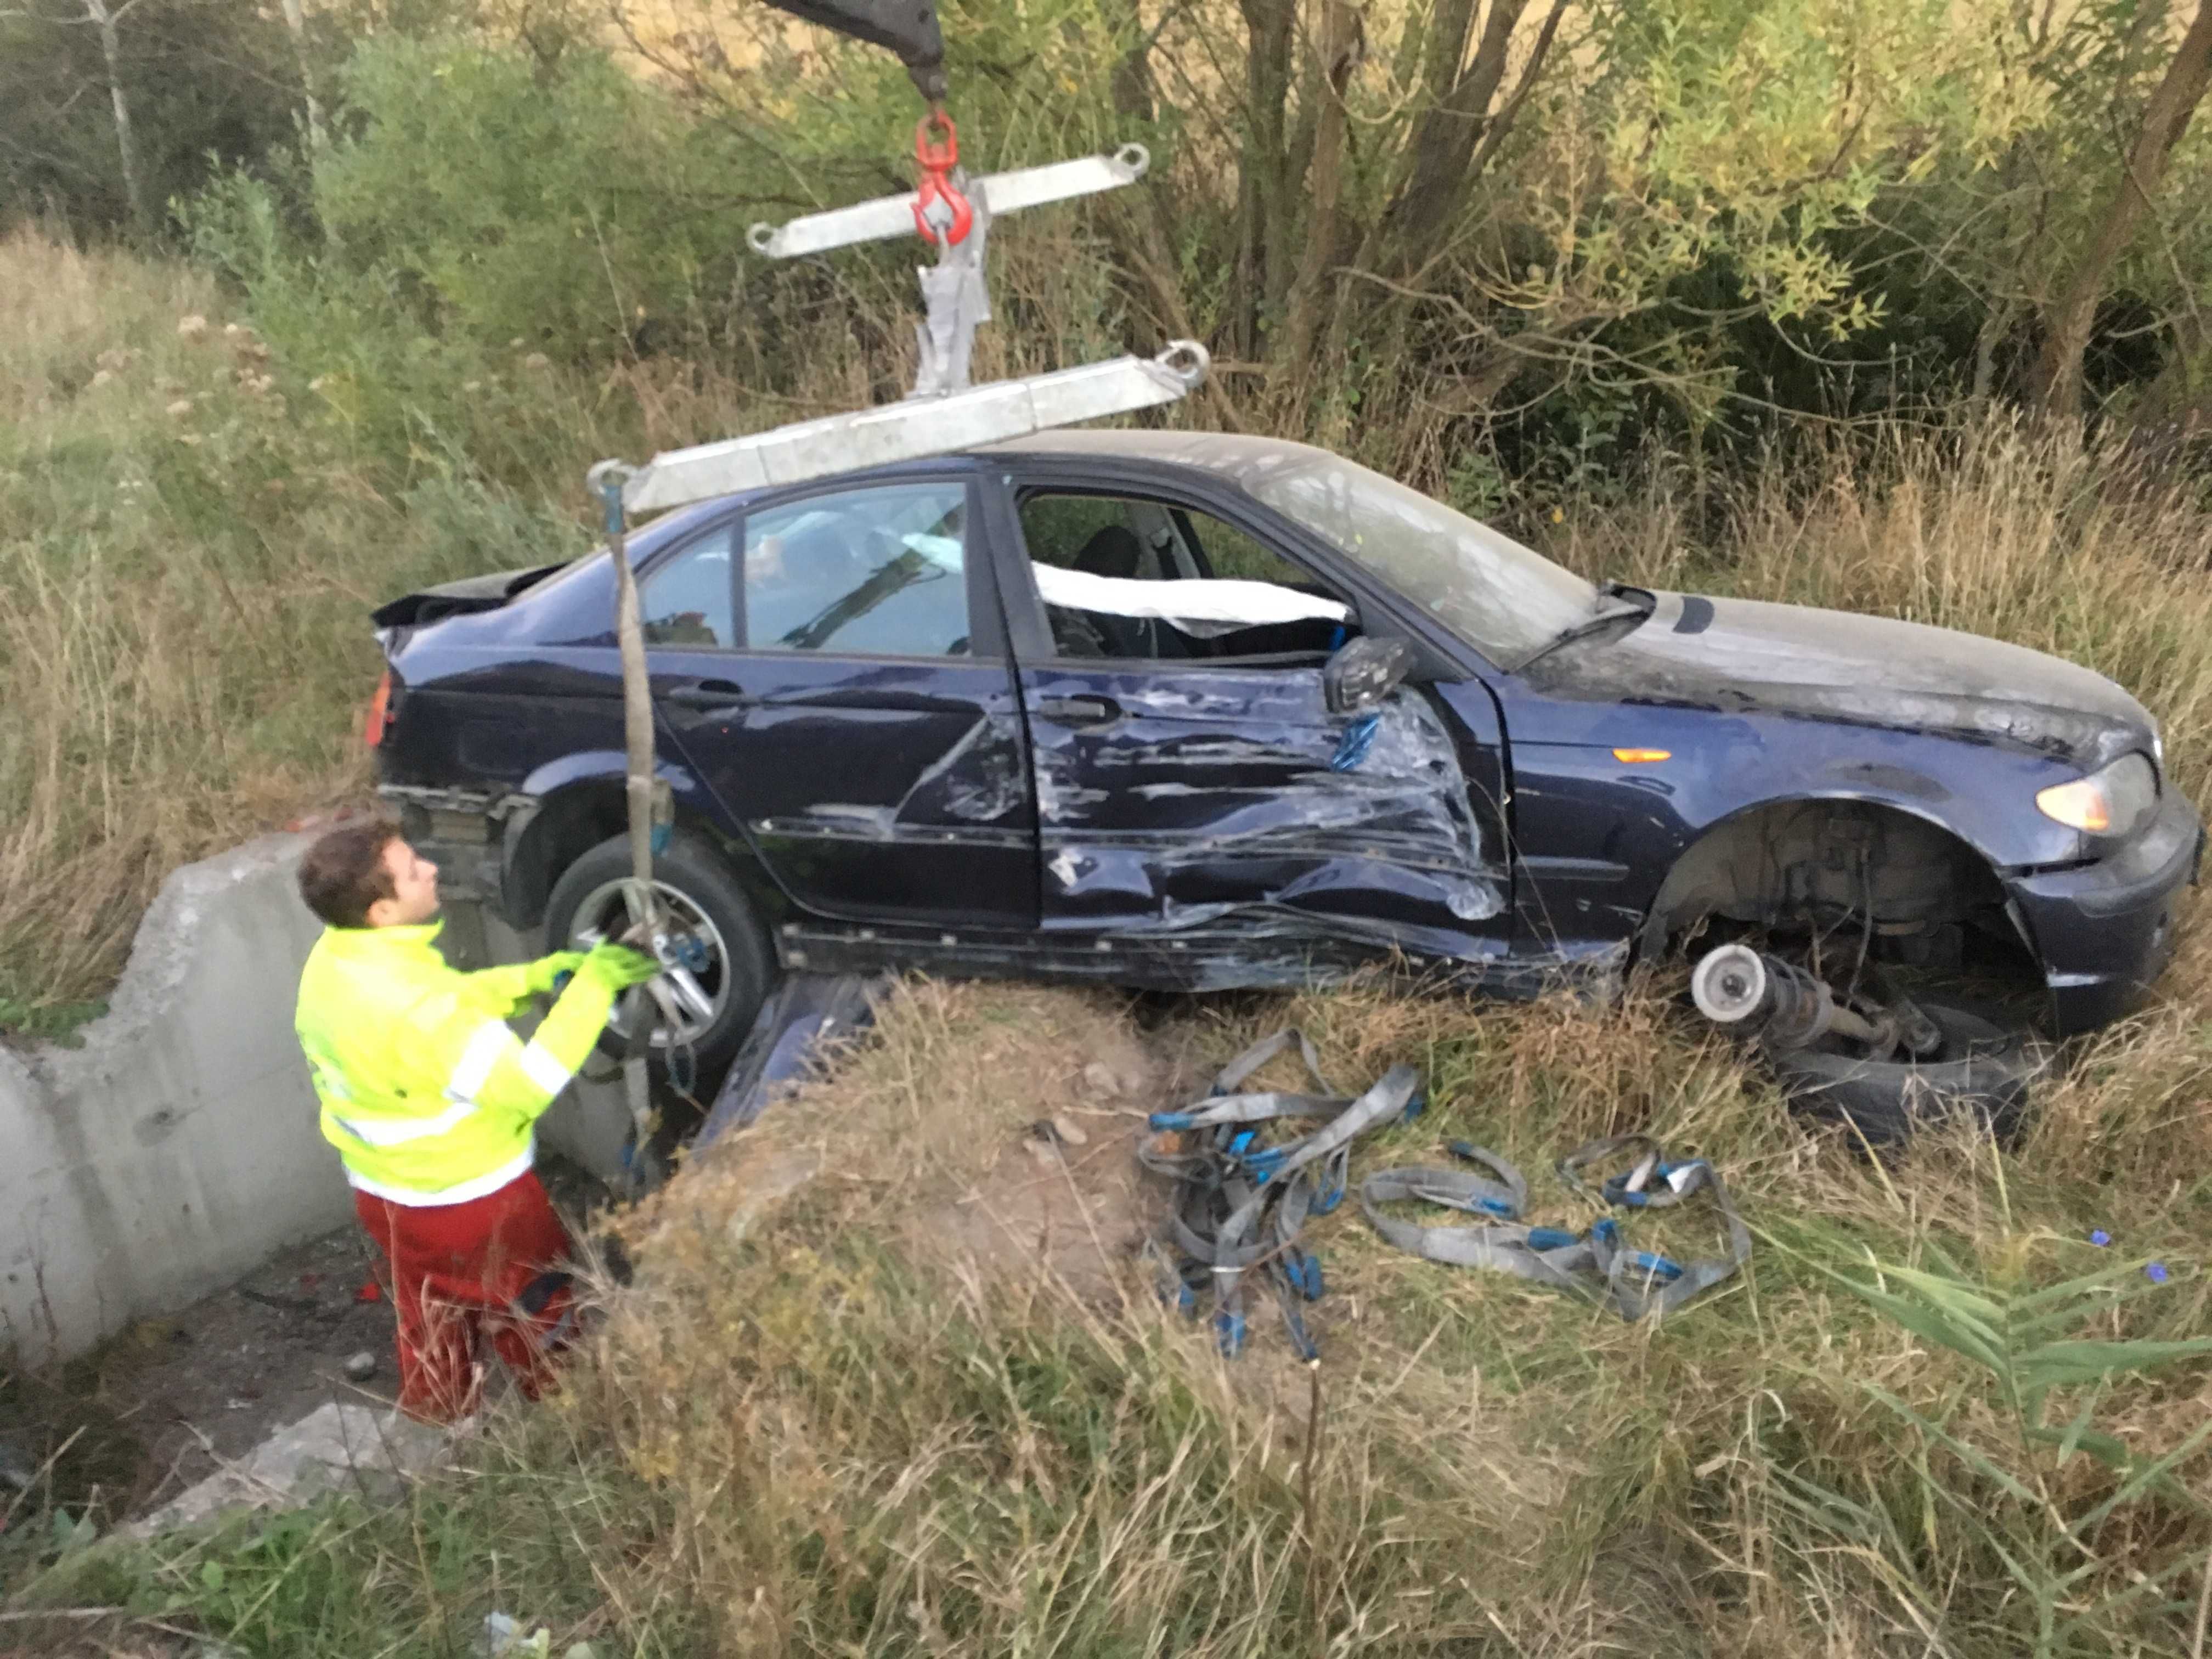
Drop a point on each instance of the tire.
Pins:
(1981, 1075)
(698, 885)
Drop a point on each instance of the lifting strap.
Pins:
(1598, 1265)
(1240, 1205)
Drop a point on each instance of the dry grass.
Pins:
(171, 659)
(818, 1437)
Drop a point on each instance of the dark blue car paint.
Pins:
(933, 812)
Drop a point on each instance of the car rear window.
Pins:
(880, 571)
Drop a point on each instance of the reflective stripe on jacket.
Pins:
(428, 1096)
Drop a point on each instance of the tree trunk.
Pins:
(1135, 98)
(1444, 142)
(1995, 325)
(318, 138)
(2166, 118)
(126, 146)
(1340, 47)
(1265, 197)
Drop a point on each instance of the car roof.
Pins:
(1230, 456)
(1237, 455)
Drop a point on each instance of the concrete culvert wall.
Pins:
(176, 1147)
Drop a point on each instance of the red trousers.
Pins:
(465, 1274)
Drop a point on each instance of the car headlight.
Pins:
(2109, 802)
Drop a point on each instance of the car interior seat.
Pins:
(1115, 550)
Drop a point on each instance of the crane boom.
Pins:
(908, 28)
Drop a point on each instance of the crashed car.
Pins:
(1196, 712)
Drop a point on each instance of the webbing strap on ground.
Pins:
(1240, 1205)
(1546, 1255)
(1599, 1264)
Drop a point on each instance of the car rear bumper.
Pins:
(2105, 930)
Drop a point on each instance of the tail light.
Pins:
(380, 712)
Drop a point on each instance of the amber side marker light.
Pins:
(1641, 757)
(380, 712)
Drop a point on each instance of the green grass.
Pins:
(47, 1021)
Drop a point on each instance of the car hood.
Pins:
(1744, 656)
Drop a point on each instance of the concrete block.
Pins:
(338, 1447)
(176, 1148)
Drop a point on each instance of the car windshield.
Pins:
(1507, 600)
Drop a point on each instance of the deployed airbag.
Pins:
(1199, 606)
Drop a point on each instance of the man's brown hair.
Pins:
(344, 873)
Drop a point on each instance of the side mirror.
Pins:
(1357, 679)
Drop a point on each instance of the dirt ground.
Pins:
(152, 1410)
(130, 1425)
(1066, 1193)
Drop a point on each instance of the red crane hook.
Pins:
(941, 213)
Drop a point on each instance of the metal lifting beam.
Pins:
(999, 192)
(914, 427)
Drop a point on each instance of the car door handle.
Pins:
(706, 693)
(1080, 711)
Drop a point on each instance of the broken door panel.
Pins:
(1230, 802)
(871, 790)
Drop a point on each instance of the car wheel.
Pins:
(721, 994)
(1980, 1074)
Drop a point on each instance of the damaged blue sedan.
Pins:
(1197, 712)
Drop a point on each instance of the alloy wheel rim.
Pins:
(701, 994)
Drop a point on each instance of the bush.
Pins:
(503, 198)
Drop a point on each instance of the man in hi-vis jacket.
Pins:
(433, 1103)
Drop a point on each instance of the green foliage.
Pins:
(559, 206)
(2047, 1380)
(43, 1021)
(207, 81)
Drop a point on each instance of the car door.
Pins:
(1192, 787)
(833, 666)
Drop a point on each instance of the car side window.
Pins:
(1224, 550)
(881, 571)
(1105, 543)
(690, 599)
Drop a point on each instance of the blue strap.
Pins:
(1352, 748)
(1242, 1201)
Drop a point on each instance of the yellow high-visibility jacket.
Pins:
(428, 1096)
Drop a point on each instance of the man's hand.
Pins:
(544, 976)
(618, 967)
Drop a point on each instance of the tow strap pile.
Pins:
(1240, 1203)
